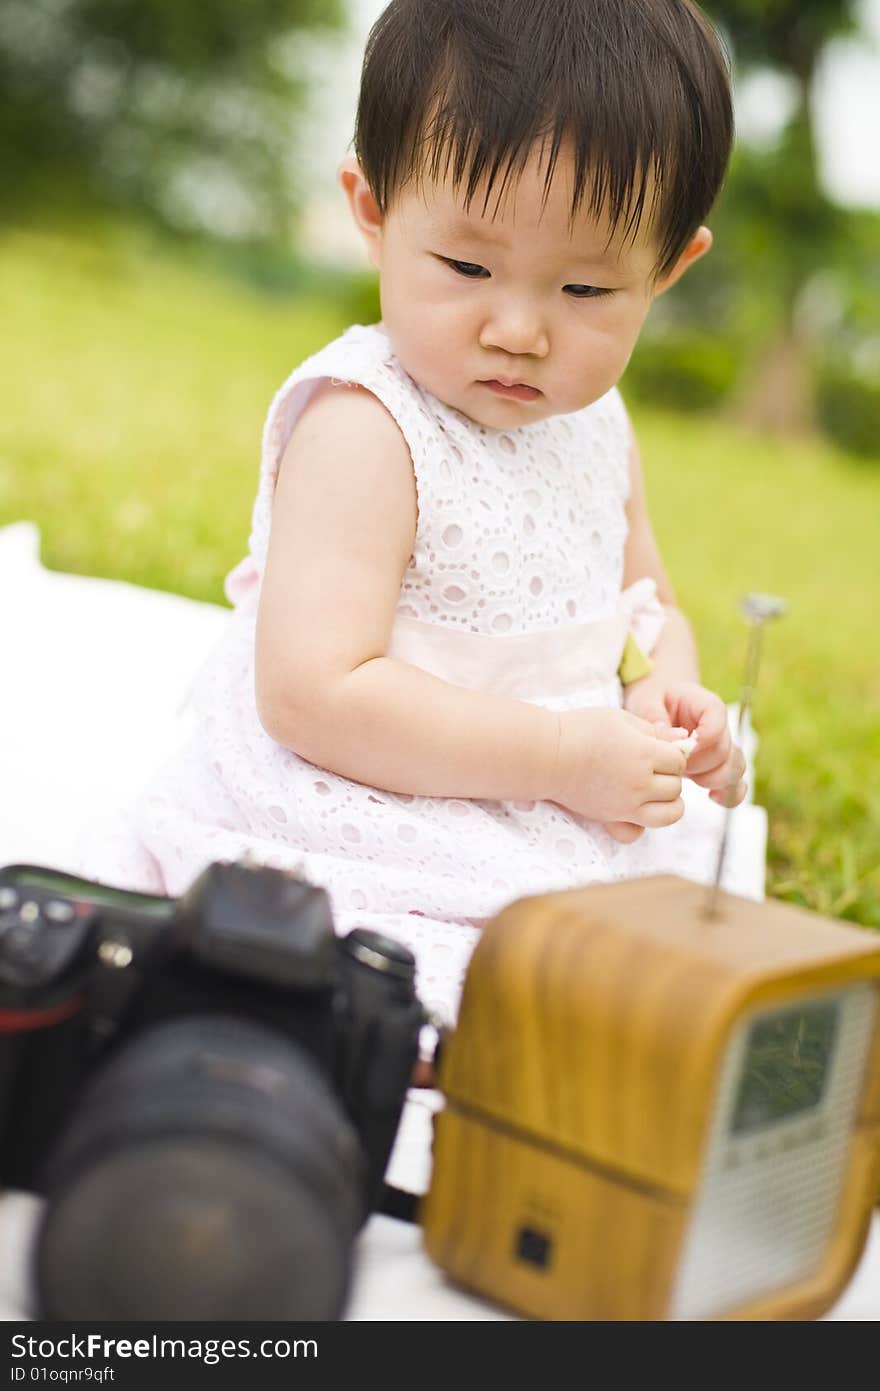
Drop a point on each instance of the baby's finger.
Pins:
(664, 788)
(678, 736)
(733, 800)
(669, 758)
(724, 773)
(710, 754)
(624, 831)
(714, 722)
(656, 814)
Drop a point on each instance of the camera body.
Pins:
(232, 1019)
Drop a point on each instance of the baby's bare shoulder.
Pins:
(347, 434)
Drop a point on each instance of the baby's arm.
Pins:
(343, 527)
(672, 691)
(675, 655)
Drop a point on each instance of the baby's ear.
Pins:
(362, 205)
(698, 245)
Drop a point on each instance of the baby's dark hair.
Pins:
(465, 88)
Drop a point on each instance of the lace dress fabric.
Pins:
(514, 587)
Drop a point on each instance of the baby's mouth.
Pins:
(518, 391)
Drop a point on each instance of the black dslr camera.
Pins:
(206, 1089)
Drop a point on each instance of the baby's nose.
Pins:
(517, 332)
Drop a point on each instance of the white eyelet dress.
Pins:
(514, 586)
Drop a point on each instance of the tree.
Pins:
(181, 108)
(787, 34)
(774, 206)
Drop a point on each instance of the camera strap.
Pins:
(396, 1202)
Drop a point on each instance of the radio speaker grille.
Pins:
(767, 1203)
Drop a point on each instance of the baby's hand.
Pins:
(614, 767)
(716, 762)
(625, 831)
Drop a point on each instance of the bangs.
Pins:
(616, 180)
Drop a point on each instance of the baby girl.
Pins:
(418, 699)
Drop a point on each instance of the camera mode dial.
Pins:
(38, 938)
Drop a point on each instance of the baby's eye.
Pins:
(586, 291)
(467, 268)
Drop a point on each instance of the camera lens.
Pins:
(210, 1173)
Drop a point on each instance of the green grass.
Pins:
(136, 384)
(735, 513)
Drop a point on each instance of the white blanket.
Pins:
(94, 672)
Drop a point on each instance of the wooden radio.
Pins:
(656, 1112)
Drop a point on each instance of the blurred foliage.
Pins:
(689, 369)
(187, 112)
(786, 34)
(182, 109)
(848, 402)
(783, 319)
(776, 225)
(841, 308)
(275, 269)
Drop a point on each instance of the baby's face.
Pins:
(473, 305)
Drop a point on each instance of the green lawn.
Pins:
(135, 386)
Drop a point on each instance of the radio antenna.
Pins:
(758, 609)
